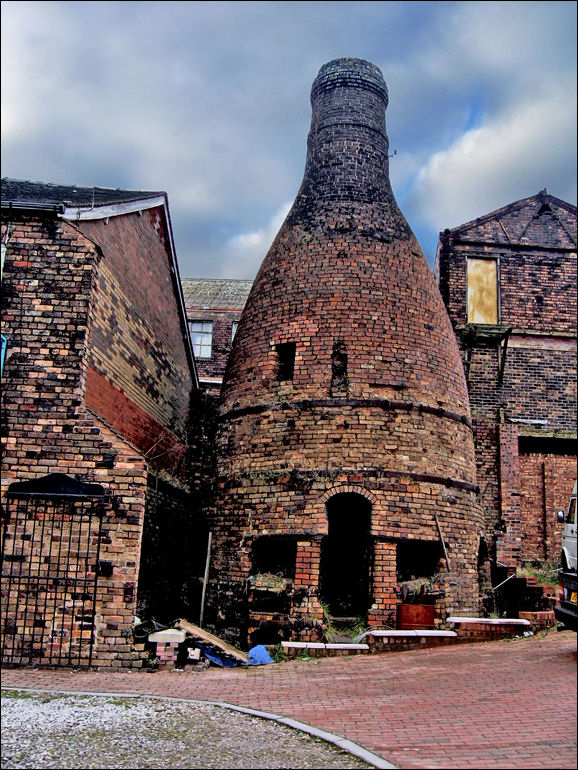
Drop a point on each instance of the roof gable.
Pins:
(541, 220)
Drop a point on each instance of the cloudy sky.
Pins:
(209, 101)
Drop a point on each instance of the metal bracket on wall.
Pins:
(485, 335)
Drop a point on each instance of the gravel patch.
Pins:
(70, 732)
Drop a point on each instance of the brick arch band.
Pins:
(347, 488)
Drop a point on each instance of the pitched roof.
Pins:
(213, 293)
(540, 220)
(52, 195)
(73, 202)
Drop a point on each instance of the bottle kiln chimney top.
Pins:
(347, 146)
(349, 73)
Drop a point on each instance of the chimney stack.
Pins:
(345, 428)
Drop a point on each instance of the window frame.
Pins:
(484, 258)
(200, 345)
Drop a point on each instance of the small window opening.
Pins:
(275, 555)
(285, 360)
(339, 378)
(273, 573)
(418, 561)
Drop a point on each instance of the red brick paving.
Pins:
(505, 704)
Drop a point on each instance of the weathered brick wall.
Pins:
(537, 272)
(136, 336)
(546, 485)
(535, 242)
(60, 380)
(48, 276)
(539, 384)
(46, 428)
(376, 405)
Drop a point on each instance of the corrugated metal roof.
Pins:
(215, 292)
(23, 191)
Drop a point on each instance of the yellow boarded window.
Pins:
(482, 291)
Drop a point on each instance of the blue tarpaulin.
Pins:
(258, 656)
(214, 657)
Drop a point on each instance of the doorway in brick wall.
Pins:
(50, 566)
(346, 556)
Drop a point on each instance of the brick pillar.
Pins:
(384, 583)
(509, 544)
(307, 577)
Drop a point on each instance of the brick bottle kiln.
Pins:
(346, 455)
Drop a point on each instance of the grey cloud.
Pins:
(210, 102)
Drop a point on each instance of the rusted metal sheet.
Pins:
(482, 291)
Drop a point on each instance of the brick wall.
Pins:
(546, 485)
(534, 241)
(78, 399)
(49, 270)
(136, 336)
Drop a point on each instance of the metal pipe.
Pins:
(205, 579)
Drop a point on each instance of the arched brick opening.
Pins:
(347, 555)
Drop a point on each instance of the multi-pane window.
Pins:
(202, 338)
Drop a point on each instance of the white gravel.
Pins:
(41, 730)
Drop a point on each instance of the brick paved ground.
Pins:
(507, 704)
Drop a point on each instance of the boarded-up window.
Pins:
(482, 291)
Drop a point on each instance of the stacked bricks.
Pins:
(540, 619)
(373, 407)
(488, 629)
(534, 241)
(167, 646)
(399, 641)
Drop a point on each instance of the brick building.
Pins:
(214, 307)
(97, 379)
(346, 455)
(508, 280)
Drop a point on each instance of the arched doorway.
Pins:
(346, 556)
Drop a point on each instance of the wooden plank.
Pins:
(204, 636)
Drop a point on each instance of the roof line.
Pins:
(111, 209)
(543, 194)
